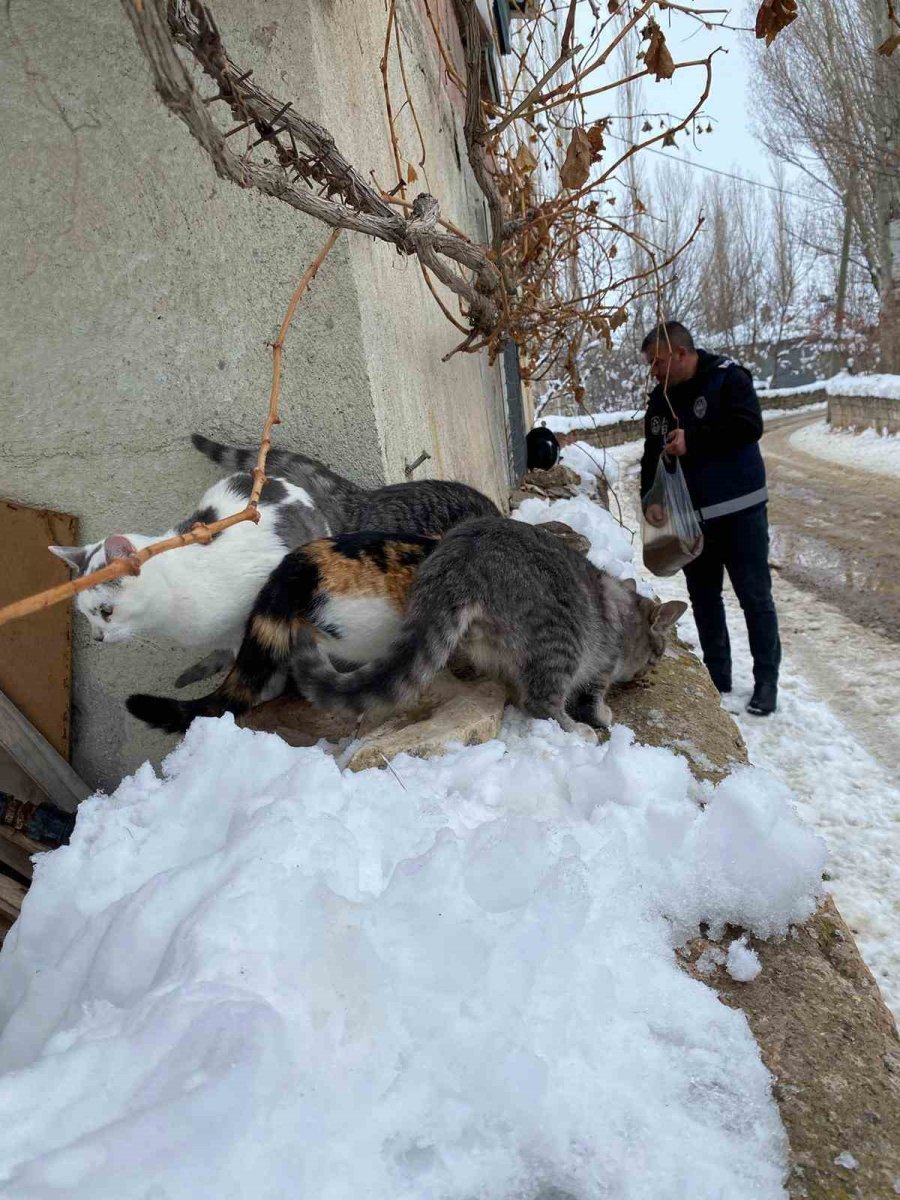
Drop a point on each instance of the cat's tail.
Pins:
(426, 641)
(306, 472)
(276, 626)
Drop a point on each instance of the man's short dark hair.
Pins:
(669, 333)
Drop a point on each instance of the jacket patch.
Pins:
(700, 407)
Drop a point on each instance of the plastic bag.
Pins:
(678, 539)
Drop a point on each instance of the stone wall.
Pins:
(864, 412)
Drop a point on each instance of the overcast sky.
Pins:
(731, 146)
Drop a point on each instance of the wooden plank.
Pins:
(36, 652)
(38, 759)
(11, 896)
(16, 850)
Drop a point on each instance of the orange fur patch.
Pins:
(364, 576)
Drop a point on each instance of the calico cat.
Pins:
(202, 595)
(430, 506)
(522, 607)
(513, 601)
(343, 597)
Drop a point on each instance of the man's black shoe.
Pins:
(764, 700)
(723, 686)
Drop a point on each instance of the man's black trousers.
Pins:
(738, 544)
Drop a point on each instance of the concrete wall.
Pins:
(864, 412)
(141, 292)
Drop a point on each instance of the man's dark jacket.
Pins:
(720, 415)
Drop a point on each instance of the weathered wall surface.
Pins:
(141, 292)
(420, 402)
(864, 412)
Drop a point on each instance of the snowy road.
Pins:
(836, 737)
(835, 530)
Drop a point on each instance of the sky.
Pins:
(731, 147)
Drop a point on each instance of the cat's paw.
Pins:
(603, 714)
(585, 731)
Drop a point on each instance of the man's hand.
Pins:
(676, 444)
(655, 514)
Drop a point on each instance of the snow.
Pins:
(833, 741)
(255, 976)
(869, 451)
(611, 543)
(591, 420)
(769, 413)
(742, 963)
(589, 462)
(802, 389)
(884, 386)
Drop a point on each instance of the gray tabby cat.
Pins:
(428, 506)
(520, 606)
(498, 596)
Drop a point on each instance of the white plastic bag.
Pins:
(677, 539)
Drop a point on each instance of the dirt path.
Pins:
(835, 531)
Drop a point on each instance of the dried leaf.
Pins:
(773, 16)
(889, 45)
(577, 167)
(601, 326)
(646, 127)
(657, 57)
(612, 251)
(595, 138)
(524, 160)
(669, 139)
(639, 205)
(411, 175)
(612, 7)
(619, 317)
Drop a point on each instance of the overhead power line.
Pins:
(769, 187)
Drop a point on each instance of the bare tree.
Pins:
(830, 104)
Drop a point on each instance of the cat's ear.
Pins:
(77, 557)
(118, 546)
(630, 584)
(667, 614)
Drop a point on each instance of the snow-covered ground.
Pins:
(770, 413)
(833, 740)
(254, 976)
(590, 420)
(866, 451)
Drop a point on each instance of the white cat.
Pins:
(197, 596)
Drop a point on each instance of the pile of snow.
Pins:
(590, 462)
(257, 976)
(590, 420)
(886, 387)
(870, 451)
(611, 543)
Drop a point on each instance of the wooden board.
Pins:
(36, 651)
(38, 759)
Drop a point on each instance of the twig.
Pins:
(273, 419)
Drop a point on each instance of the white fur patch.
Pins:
(366, 626)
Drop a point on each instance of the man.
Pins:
(704, 411)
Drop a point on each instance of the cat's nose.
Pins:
(98, 635)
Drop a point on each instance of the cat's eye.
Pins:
(106, 611)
